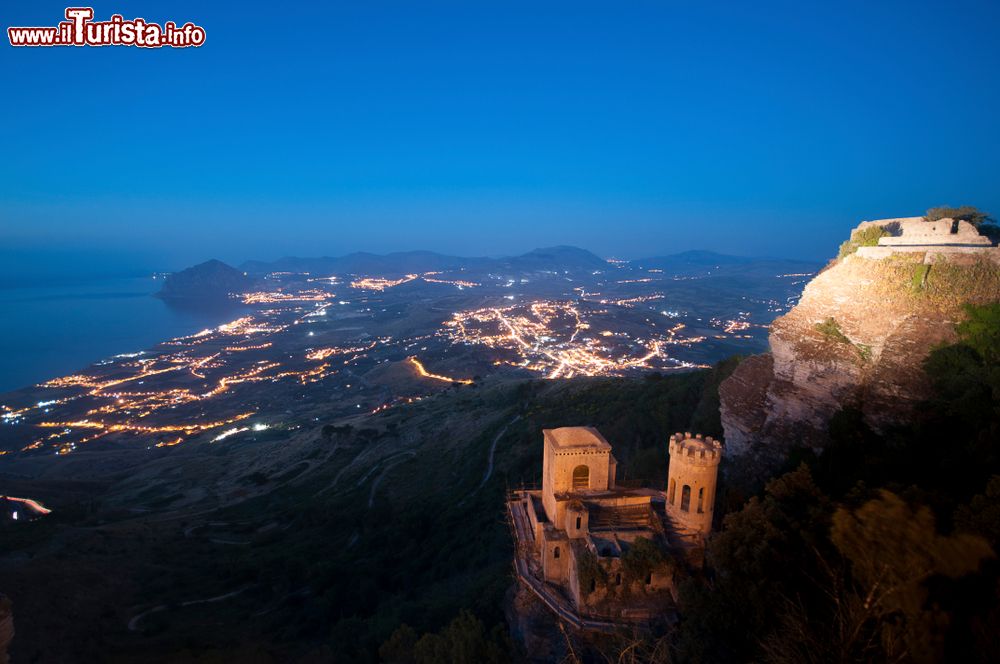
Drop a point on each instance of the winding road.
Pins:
(133, 624)
(489, 464)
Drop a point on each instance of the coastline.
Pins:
(52, 330)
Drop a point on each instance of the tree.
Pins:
(967, 213)
(398, 649)
(894, 551)
(982, 514)
(642, 559)
(763, 553)
(966, 381)
(463, 641)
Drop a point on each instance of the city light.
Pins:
(426, 374)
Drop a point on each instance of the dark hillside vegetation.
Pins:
(387, 536)
(384, 538)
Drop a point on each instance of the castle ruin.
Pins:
(598, 553)
(941, 238)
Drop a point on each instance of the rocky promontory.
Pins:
(211, 280)
(859, 335)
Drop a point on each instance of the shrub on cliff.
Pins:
(863, 237)
(830, 329)
(968, 213)
(966, 381)
(981, 331)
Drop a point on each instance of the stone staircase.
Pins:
(620, 518)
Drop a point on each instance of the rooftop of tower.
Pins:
(576, 437)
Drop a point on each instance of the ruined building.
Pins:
(942, 239)
(598, 553)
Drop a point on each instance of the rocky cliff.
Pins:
(858, 337)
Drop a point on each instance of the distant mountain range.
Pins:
(710, 262)
(214, 278)
(558, 259)
(405, 262)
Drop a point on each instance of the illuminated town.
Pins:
(366, 343)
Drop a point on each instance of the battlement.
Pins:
(695, 449)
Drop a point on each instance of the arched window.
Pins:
(581, 477)
(686, 498)
(701, 500)
(555, 552)
(673, 491)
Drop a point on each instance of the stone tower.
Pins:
(575, 460)
(694, 468)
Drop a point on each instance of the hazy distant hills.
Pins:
(554, 259)
(403, 262)
(561, 258)
(216, 279)
(712, 263)
(550, 258)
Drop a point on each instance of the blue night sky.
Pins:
(627, 128)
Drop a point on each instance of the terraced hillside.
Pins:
(321, 541)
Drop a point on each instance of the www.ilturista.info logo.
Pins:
(81, 30)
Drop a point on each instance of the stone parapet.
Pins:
(697, 449)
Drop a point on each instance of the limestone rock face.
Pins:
(858, 337)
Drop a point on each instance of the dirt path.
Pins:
(489, 464)
(389, 465)
(133, 624)
(493, 449)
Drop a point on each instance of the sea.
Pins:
(57, 329)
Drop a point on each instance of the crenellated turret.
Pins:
(699, 449)
(691, 480)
